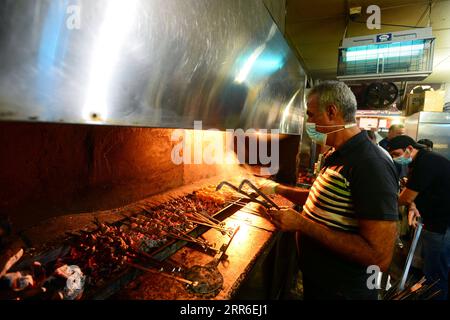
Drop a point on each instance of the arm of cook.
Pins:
(407, 197)
(293, 194)
(373, 245)
(373, 188)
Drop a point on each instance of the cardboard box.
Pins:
(425, 101)
(414, 103)
(434, 101)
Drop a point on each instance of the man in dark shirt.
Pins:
(394, 131)
(427, 194)
(348, 222)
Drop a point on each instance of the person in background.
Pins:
(427, 194)
(427, 143)
(394, 131)
(348, 221)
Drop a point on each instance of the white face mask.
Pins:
(321, 138)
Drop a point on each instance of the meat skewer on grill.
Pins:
(175, 235)
(108, 250)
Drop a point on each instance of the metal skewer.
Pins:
(251, 224)
(191, 283)
(210, 225)
(210, 217)
(205, 219)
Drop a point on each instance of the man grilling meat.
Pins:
(348, 222)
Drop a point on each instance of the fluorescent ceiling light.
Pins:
(385, 51)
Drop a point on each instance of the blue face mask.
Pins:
(319, 137)
(402, 160)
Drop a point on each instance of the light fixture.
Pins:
(402, 55)
(384, 51)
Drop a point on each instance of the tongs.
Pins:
(268, 203)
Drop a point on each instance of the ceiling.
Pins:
(316, 28)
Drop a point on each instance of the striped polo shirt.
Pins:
(357, 181)
(330, 200)
(346, 188)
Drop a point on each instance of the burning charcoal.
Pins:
(19, 281)
(74, 282)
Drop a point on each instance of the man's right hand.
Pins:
(286, 219)
(413, 215)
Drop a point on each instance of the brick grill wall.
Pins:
(48, 170)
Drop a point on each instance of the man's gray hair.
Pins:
(338, 94)
(396, 126)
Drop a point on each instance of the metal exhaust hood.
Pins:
(148, 63)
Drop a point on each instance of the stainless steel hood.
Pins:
(149, 63)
